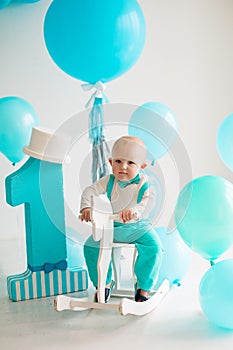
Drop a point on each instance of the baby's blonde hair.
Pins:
(131, 148)
(133, 138)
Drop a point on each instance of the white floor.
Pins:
(178, 322)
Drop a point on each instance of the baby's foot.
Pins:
(108, 292)
(141, 295)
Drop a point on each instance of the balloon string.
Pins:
(96, 121)
(177, 282)
(97, 99)
(98, 93)
(212, 263)
(100, 150)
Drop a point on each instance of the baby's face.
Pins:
(124, 170)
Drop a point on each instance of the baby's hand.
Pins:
(86, 214)
(127, 215)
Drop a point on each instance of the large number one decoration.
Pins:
(38, 184)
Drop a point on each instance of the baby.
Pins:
(128, 191)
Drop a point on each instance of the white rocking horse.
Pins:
(102, 230)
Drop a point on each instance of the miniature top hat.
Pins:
(47, 145)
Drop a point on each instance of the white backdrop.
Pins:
(186, 64)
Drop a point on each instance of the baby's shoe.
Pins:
(108, 292)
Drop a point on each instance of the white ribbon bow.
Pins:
(99, 88)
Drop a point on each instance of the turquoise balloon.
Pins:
(157, 186)
(27, 1)
(176, 257)
(225, 141)
(94, 40)
(17, 117)
(156, 125)
(204, 215)
(215, 294)
(4, 3)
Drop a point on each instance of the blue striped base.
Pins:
(33, 285)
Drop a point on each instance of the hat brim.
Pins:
(43, 157)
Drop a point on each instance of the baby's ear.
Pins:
(143, 166)
(110, 161)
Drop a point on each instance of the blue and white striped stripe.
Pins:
(33, 285)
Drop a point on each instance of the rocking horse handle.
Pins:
(115, 217)
(111, 216)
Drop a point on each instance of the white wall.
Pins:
(186, 64)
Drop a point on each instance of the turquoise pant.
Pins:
(149, 255)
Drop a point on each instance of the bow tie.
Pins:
(135, 180)
(61, 265)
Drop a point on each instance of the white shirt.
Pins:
(121, 198)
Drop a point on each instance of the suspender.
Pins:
(141, 192)
(110, 186)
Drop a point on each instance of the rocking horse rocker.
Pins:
(102, 230)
